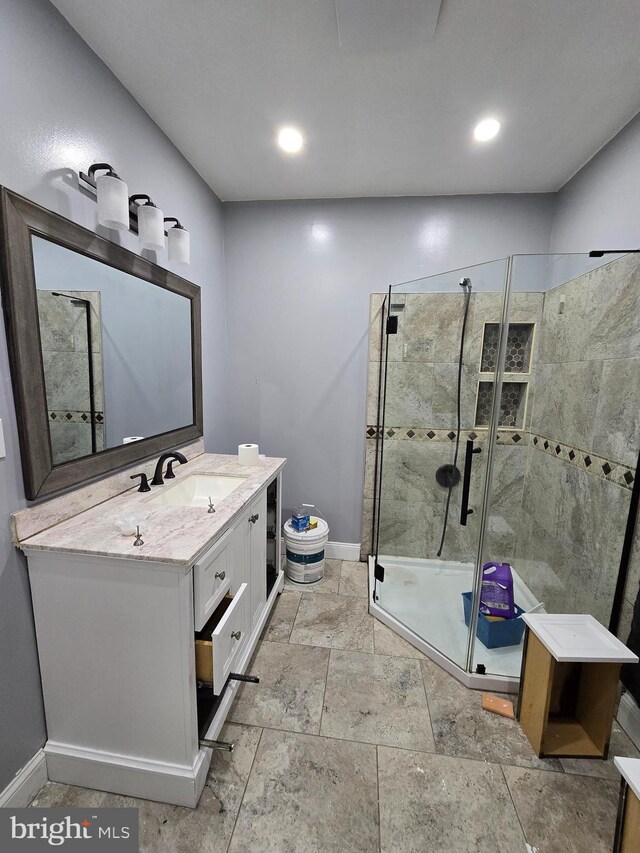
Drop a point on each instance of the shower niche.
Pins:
(517, 370)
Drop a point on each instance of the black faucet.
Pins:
(157, 477)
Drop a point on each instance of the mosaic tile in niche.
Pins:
(518, 352)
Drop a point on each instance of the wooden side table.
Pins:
(569, 684)
(627, 839)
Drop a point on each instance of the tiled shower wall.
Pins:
(562, 483)
(585, 436)
(420, 419)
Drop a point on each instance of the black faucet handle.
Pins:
(144, 482)
(169, 475)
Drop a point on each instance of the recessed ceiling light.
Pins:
(290, 140)
(486, 129)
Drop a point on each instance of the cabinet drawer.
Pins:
(212, 579)
(220, 644)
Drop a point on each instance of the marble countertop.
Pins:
(171, 534)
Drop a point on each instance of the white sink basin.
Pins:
(196, 490)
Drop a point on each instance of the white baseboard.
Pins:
(337, 550)
(134, 777)
(629, 717)
(342, 551)
(26, 783)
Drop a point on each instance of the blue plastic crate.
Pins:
(495, 635)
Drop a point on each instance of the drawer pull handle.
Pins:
(220, 575)
(236, 634)
(254, 518)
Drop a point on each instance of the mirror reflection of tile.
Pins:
(67, 366)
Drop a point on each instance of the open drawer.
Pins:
(221, 642)
(212, 579)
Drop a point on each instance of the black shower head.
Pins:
(465, 282)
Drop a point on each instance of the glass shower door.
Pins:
(434, 429)
(564, 470)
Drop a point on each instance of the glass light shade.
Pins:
(113, 202)
(150, 227)
(179, 245)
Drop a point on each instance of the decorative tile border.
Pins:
(65, 416)
(606, 469)
(479, 435)
(599, 466)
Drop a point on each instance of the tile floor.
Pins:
(354, 741)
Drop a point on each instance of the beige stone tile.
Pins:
(289, 695)
(333, 621)
(309, 795)
(354, 579)
(376, 699)
(444, 805)
(621, 745)
(174, 829)
(409, 400)
(328, 583)
(387, 642)
(617, 426)
(280, 623)
(562, 813)
(461, 727)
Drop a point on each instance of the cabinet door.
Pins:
(258, 556)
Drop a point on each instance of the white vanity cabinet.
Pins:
(118, 639)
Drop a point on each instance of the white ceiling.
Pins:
(220, 76)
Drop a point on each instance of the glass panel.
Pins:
(560, 493)
(429, 408)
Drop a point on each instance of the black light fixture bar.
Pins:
(177, 222)
(88, 178)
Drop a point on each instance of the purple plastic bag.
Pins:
(496, 595)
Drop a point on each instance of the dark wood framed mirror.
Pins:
(104, 347)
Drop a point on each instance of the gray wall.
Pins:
(299, 276)
(61, 110)
(598, 208)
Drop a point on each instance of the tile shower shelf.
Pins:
(518, 352)
(512, 404)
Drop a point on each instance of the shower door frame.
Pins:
(472, 680)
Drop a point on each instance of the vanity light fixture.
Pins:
(178, 242)
(150, 223)
(112, 196)
(138, 213)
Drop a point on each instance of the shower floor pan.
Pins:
(422, 601)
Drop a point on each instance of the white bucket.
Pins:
(305, 552)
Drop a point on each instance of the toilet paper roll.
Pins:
(248, 454)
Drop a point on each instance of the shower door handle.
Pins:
(466, 481)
